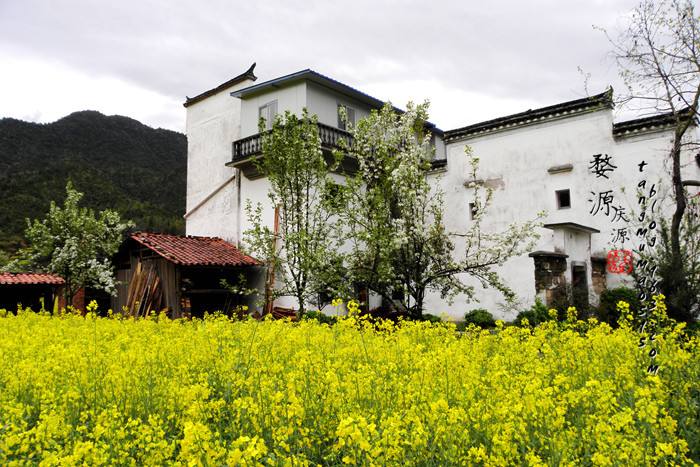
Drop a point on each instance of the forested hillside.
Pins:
(116, 161)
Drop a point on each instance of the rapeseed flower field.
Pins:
(84, 390)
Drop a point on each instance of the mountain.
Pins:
(117, 162)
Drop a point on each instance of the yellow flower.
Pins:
(665, 449)
(218, 392)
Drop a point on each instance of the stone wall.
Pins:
(598, 275)
(550, 277)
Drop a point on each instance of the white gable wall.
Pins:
(212, 125)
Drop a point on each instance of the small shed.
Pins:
(29, 289)
(182, 274)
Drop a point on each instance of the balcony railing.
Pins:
(246, 149)
(252, 145)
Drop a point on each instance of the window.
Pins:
(563, 199)
(349, 114)
(472, 210)
(268, 112)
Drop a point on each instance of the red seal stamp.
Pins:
(620, 261)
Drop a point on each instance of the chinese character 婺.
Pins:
(601, 164)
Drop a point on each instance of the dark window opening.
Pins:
(579, 286)
(563, 199)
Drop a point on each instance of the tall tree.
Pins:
(393, 216)
(684, 304)
(298, 251)
(658, 55)
(74, 243)
(4, 258)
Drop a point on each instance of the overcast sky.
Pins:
(140, 58)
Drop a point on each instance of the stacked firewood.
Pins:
(145, 293)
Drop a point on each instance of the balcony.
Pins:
(247, 150)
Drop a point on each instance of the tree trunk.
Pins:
(417, 309)
(302, 305)
(675, 284)
(68, 295)
(679, 194)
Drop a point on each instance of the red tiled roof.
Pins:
(11, 278)
(194, 251)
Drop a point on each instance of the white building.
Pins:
(538, 160)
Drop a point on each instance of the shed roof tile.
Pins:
(194, 250)
(11, 278)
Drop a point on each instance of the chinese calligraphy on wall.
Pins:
(622, 260)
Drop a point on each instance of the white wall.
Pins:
(292, 98)
(440, 149)
(516, 162)
(212, 126)
(324, 103)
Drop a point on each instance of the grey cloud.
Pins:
(509, 49)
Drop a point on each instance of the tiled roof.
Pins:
(194, 251)
(10, 278)
(652, 123)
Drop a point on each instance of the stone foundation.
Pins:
(598, 275)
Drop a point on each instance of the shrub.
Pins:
(480, 317)
(537, 314)
(431, 318)
(607, 309)
(320, 317)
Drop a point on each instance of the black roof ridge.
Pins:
(576, 106)
(650, 123)
(248, 74)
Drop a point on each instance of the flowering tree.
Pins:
(75, 244)
(400, 247)
(299, 253)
